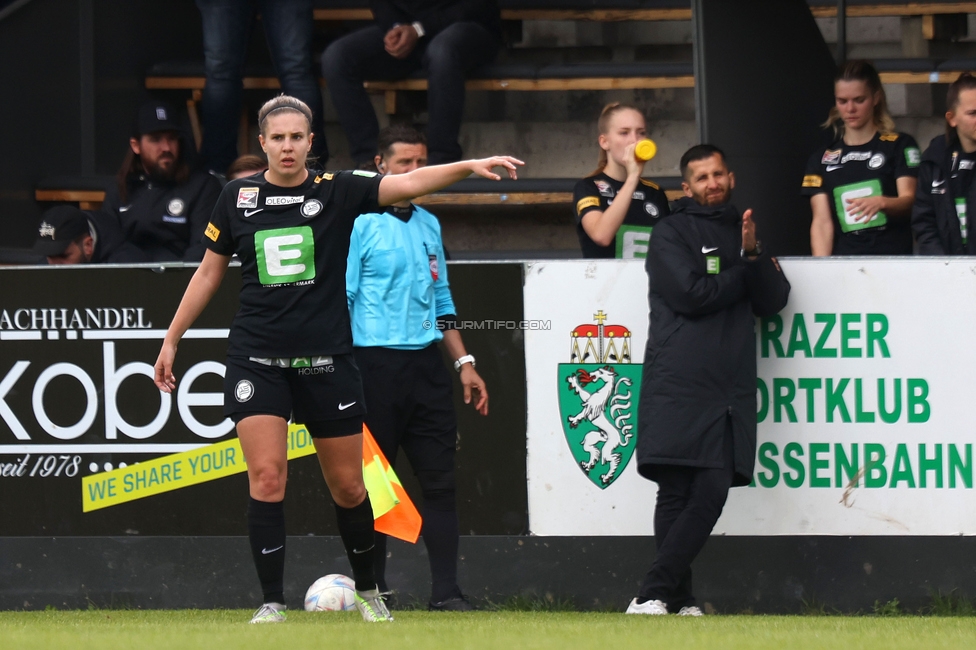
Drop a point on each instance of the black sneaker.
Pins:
(456, 604)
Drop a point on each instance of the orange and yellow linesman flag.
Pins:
(393, 512)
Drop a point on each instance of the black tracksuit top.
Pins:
(700, 359)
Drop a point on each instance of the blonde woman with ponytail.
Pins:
(289, 354)
(862, 186)
(616, 209)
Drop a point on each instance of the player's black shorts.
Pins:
(323, 393)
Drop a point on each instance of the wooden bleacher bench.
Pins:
(496, 77)
(89, 192)
(526, 191)
(592, 10)
(518, 77)
(657, 10)
(564, 77)
(873, 8)
(922, 71)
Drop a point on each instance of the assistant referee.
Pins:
(400, 305)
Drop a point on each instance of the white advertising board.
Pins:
(865, 389)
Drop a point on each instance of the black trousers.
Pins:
(410, 406)
(446, 59)
(689, 502)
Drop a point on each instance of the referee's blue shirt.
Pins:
(394, 297)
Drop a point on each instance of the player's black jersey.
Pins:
(647, 206)
(845, 172)
(293, 243)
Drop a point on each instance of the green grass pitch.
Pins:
(217, 629)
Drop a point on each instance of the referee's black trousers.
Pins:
(410, 406)
(689, 503)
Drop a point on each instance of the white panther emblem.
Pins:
(599, 408)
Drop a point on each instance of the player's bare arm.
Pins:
(202, 287)
(404, 187)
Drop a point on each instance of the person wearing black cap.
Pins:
(68, 235)
(64, 236)
(160, 206)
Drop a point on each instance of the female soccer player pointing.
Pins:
(290, 345)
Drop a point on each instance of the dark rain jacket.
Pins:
(700, 360)
(164, 220)
(934, 219)
(110, 245)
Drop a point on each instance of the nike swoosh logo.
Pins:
(706, 251)
(343, 407)
(831, 168)
(248, 213)
(365, 550)
(937, 183)
(265, 551)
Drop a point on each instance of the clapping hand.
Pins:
(748, 231)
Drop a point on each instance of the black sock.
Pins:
(440, 534)
(266, 531)
(379, 561)
(356, 530)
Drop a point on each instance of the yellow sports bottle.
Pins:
(645, 150)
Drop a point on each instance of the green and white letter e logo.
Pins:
(633, 241)
(285, 255)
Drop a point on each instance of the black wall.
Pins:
(759, 575)
(71, 79)
(491, 477)
(764, 80)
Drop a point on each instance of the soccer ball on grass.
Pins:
(331, 593)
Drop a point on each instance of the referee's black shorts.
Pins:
(323, 393)
(410, 405)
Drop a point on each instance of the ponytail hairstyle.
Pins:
(966, 81)
(603, 127)
(863, 71)
(283, 103)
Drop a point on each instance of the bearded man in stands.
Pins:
(159, 204)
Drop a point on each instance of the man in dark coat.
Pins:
(159, 204)
(709, 278)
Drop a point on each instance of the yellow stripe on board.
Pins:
(176, 471)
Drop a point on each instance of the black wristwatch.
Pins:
(755, 252)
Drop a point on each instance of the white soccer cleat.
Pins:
(690, 611)
(651, 607)
(372, 606)
(270, 613)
